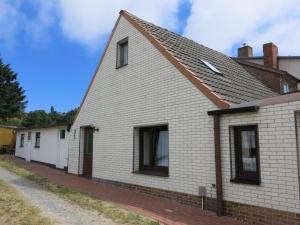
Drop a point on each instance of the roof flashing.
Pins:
(211, 67)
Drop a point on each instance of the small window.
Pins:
(29, 136)
(286, 88)
(122, 53)
(210, 66)
(37, 139)
(62, 134)
(245, 158)
(22, 140)
(154, 149)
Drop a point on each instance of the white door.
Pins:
(28, 150)
(62, 150)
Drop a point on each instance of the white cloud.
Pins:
(39, 24)
(15, 21)
(221, 24)
(88, 21)
(85, 22)
(9, 20)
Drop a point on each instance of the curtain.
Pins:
(146, 148)
(162, 149)
(248, 150)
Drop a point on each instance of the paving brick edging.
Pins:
(260, 215)
(188, 199)
(246, 213)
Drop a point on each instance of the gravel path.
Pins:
(62, 211)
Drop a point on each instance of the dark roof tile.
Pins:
(235, 85)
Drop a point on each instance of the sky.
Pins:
(55, 45)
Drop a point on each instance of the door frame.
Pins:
(82, 132)
(297, 133)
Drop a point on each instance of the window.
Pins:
(22, 140)
(210, 66)
(154, 149)
(246, 155)
(286, 88)
(62, 134)
(37, 139)
(29, 136)
(122, 53)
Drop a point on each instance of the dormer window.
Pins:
(122, 53)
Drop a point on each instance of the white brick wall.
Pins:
(278, 158)
(149, 91)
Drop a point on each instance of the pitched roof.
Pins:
(185, 55)
(234, 86)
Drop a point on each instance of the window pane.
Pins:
(22, 140)
(89, 142)
(248, 150)
(162, 149)
(62, 134)
(125, 54)
(122, 54)
(121, 59)
(37, 139)
(146, 147)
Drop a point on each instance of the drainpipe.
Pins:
(217, 140)
(218, 165)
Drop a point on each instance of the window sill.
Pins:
(152, 173)
(243, 181)
(118, 67)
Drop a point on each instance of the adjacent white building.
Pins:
(48, 144)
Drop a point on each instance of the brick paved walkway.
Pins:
(161, 209)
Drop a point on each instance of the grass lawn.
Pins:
(108, 210)
(14, 210)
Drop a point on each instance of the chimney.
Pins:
(245, 51)
(270, 55)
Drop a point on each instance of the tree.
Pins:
(36, 118)
(70, 116)
(12, 97)
(42, 118)
(55, 117)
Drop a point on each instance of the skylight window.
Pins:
(211, 66)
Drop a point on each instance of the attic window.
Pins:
(211, 66)
(122, 53)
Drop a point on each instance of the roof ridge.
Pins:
(179, 35)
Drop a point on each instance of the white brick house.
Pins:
(144, 122)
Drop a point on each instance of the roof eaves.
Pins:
(233, 110)
(42, 127)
